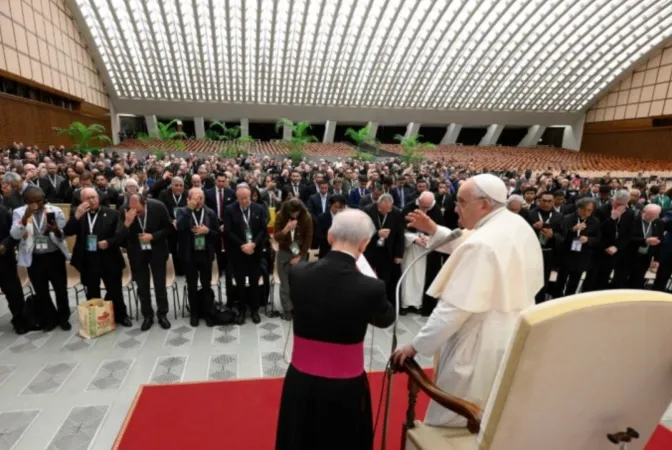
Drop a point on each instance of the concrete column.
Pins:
(572, 135)
(287, 132)
(492, 135)
(115, 124)
(533, 135)
(373, 128)
(452, 132)
(244, 127)
(412, 129)
(199, 125)
(329, 131)
(151, 124)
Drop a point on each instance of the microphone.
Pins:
(455, 234)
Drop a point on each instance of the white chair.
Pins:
(577, 370)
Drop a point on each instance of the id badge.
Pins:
(576, 245)
(381, 242)
(175, 212)
(41, 243)
(199, 243)
(294, 248)
(643, 250)
(92, 243)
(145, 246)
(443, 211)
(248, 236)
(543, 239)
(247, 281)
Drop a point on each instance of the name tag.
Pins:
(199, 243)
(380, 242)
(91, 243)
(247, 281)
(576, 245)
(248, 236)
(643, 250)
(443, 211)
(41, 244)
(294, 248)
(145, 246)
(543, 239)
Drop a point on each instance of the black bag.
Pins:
(214, 313)
(33, 315)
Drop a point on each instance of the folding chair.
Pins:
(127, 284)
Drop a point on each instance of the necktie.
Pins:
(296, 190)
(221, 203)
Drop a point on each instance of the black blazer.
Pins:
(394, 244)
(110, 196)
(50, 192)
(13, 201)
(637, 239)
(580, 261)
(347, 302)
(288, 190)
(77, 200)
(321, 230)
(234, 230)
(446, 202)
(609, 228)
(211, 199)
(9, 258)
(314, 204)
(166, 197)
(105, 229)
(185, 237)
(65, 191)
(159, 225)
(556, 222)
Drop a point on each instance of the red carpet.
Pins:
(243, 415)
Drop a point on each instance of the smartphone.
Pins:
(51, 217)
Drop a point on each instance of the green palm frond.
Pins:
(82, 135)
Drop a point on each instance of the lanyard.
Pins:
(144, 223)
(177, 200)
(557, 208)
(296, 189)
(645, 231)
(52, 181)
(246, 218)
(92, 222)
(293, 232)
(547, 220)
(579, 222)
(39, 225)
(198, 223)
(380, 224)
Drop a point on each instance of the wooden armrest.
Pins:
(461, 407)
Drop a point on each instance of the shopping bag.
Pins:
(96, 317)
(271, 219)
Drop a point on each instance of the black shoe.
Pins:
(65, 325)
(147, 323)
(240, 320)
(193, 321)
(403, 311)
(255, 317)
(125, 322)
(20, 329)
(287, 315)
(164, 323)
(49, 326)
(209, 322)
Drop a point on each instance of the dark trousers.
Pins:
(140, 268)
(568, 282)
(223, 266)
(247, 296)
(177, 262)
(597, 278)
(11, 287)
(91, 278)
(50, 268)
(663, 274)
(549, 262)
(638, 267)
(383, 265)
(199, 268)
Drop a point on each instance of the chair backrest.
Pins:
(170, 271)
(23, 276)
(126, 276)
(215, 272)
(580, 368)
(74, 277)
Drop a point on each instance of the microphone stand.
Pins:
(394, 343)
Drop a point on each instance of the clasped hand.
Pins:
(248, 249)
(200, 229)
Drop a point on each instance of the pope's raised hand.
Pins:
(421, 222)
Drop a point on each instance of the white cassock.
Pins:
(493, 273)
(413, 286)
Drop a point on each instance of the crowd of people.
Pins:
(256, 214)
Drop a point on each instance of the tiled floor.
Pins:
(60, 392)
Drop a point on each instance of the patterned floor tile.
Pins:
(273, 364)
(270, 331)
(223, 367)
(6, 371)
(79, 428)
(76, 343)
(225, 335)
(168, 370)
(179, 337)
(13, 424)
(110, 375)
(132, 338)
(50, 379)
(30, 342)
(379, 360)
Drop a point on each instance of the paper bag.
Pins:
(271, 219)
(96, 317)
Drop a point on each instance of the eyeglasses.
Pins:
(462, 203)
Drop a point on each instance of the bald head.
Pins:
(651, 212)
(426, 200)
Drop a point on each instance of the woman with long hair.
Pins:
(294, 234)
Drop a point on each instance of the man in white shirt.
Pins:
(493, 273)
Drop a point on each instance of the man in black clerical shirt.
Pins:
(174, 198)
(550, 228)
(145, 228)
(109, 196)
(54, 181)
(197, 232)
(96, 254)
(9, 278)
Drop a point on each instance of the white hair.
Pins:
(352, 226)
(385, 198)
(11, 177)
(653, 208)
(244, 186)
(176, 180)
(622, 195)
(515, 198)
(131, 182)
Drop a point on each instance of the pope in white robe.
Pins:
(494, 272)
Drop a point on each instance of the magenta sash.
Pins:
(328, 360)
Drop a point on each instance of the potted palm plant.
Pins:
(234, 143)
(300, 138)
(167, 135)
(361, 138)
(83, 136)
(413, 151)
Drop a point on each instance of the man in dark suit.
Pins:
(647, 235)
(400, 194)
(85, 181)
(664, 256)
(54, 181)
(294, 188)
(218, 199)
(616, 222)
(446, 203)
(108, 196)
(145, 228)
(336, 204)
(386, 248)
(197, 233)
(246, 235)
(12, 190)
(174, 198)
(317, 203)
(96, 254)
(32, 179)
(9, 278)
(368, 200)
(339, 398)
(356, 194)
